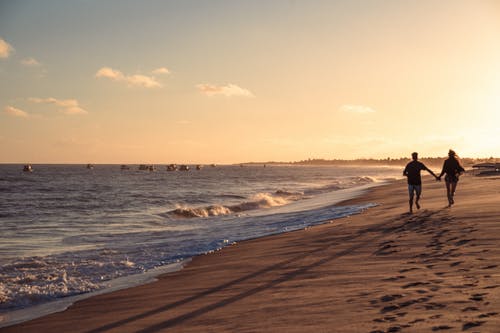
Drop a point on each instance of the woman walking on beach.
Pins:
(452, 168)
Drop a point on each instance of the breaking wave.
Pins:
(258, 201)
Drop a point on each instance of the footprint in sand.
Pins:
(385, 250)
(389, 298)
(489, 267)
(470, 308)
(389, 308)
(414, 301)
(463, 241)
(491, 287)
(456, 263)
(408, 269)
(441, 327)
(434, 306)
(477, 297)
(395, 278)
(414, 284)
(472, 324)
(487, 315)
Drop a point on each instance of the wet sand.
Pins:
(437, 270)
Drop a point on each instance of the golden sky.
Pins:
(236, 81)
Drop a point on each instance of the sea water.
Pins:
(68, 230)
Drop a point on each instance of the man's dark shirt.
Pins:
(412, 171)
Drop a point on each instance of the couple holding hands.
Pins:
(452, 169)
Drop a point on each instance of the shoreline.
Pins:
(18, 316)
(379, 270)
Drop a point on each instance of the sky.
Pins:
(185, 81)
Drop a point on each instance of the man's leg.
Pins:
(410, 193)
(418, 190)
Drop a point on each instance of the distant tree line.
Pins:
(429, 161)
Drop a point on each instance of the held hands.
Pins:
(438, 178)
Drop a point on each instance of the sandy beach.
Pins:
(380, 271)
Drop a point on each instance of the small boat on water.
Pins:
(486, 169)
(171, 167)
(143, 167)
(28, 168)
(213, 165)
(151, 168)
(124, 167)
(198, 167)
(184, 168)
(90, 166)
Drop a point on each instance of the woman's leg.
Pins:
(448, 192)
(453, 187)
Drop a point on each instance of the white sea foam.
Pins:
(60, 304)
(214, 210)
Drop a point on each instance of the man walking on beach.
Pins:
(412, 172)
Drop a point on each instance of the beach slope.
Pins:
(380, 271)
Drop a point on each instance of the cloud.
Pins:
(356, 108)
(143, 81)
(110, 73)
(131, 80)
(14, 112)
(68, 106)
(5, 49)
(161, 70)
(227, 90)
(30, 62)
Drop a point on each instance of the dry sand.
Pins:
(380, 271)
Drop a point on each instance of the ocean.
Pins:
(67, 230)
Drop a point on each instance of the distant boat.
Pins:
(198, 167)
(90, 166)
(184, 168)
(171, 167)
(212, 165)
(484, 169)
(124, 167)
(28, 168)
(151, 168)
(143, 167)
